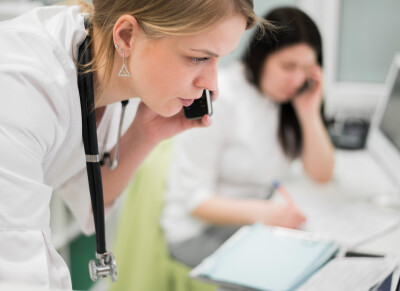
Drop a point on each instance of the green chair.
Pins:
(140, 249)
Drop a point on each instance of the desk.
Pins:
(388, 244)
(357, 178)
(357, 183)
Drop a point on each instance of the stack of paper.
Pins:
(266, 258)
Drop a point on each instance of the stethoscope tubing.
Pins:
(89, 135)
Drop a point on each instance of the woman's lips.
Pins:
(186, 102)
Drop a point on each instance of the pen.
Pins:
(285, 194)
(357, 254)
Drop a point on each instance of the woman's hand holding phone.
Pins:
(308, 101)
(153, 128)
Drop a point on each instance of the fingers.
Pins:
(315, 70)
(295, 218)
(315, 74)
(181, 121)
(296, 211)
(299, 218)
(205, 121)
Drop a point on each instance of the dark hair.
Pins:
(294, 27)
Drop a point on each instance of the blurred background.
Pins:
(360, 39)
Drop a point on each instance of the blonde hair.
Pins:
(158, 18)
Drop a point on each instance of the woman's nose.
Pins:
(208, 77)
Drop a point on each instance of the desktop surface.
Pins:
(353, 187)
(384, 139)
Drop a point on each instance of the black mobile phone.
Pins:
(307, 85)
(199, 107)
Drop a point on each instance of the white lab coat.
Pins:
(41, 141)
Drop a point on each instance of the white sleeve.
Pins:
(194, 169)
(29, 127)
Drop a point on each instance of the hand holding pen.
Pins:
(292, 218)
(284, 193)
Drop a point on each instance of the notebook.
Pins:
(260, 257)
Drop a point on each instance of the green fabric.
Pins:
(141, 252)
(82, 250)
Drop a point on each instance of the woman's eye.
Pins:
(288, 67)
(199, 60)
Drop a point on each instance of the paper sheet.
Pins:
(349, 222)
(350, 274)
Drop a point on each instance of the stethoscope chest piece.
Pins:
(103, 266)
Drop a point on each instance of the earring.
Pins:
(124, 70)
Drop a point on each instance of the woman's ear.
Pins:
(125, 30)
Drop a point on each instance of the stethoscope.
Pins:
(104, 265)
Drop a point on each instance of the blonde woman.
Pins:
(168, 52)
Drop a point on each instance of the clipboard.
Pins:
(260, 257)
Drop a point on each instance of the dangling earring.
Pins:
(124, 70)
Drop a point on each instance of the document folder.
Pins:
(259, 257)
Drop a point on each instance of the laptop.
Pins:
(383, 142)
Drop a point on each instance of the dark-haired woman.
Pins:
(264, 119)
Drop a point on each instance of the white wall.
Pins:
(261, 7)
(360, 39)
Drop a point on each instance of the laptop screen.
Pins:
(390, 122)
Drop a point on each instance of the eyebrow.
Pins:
(210, 53)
